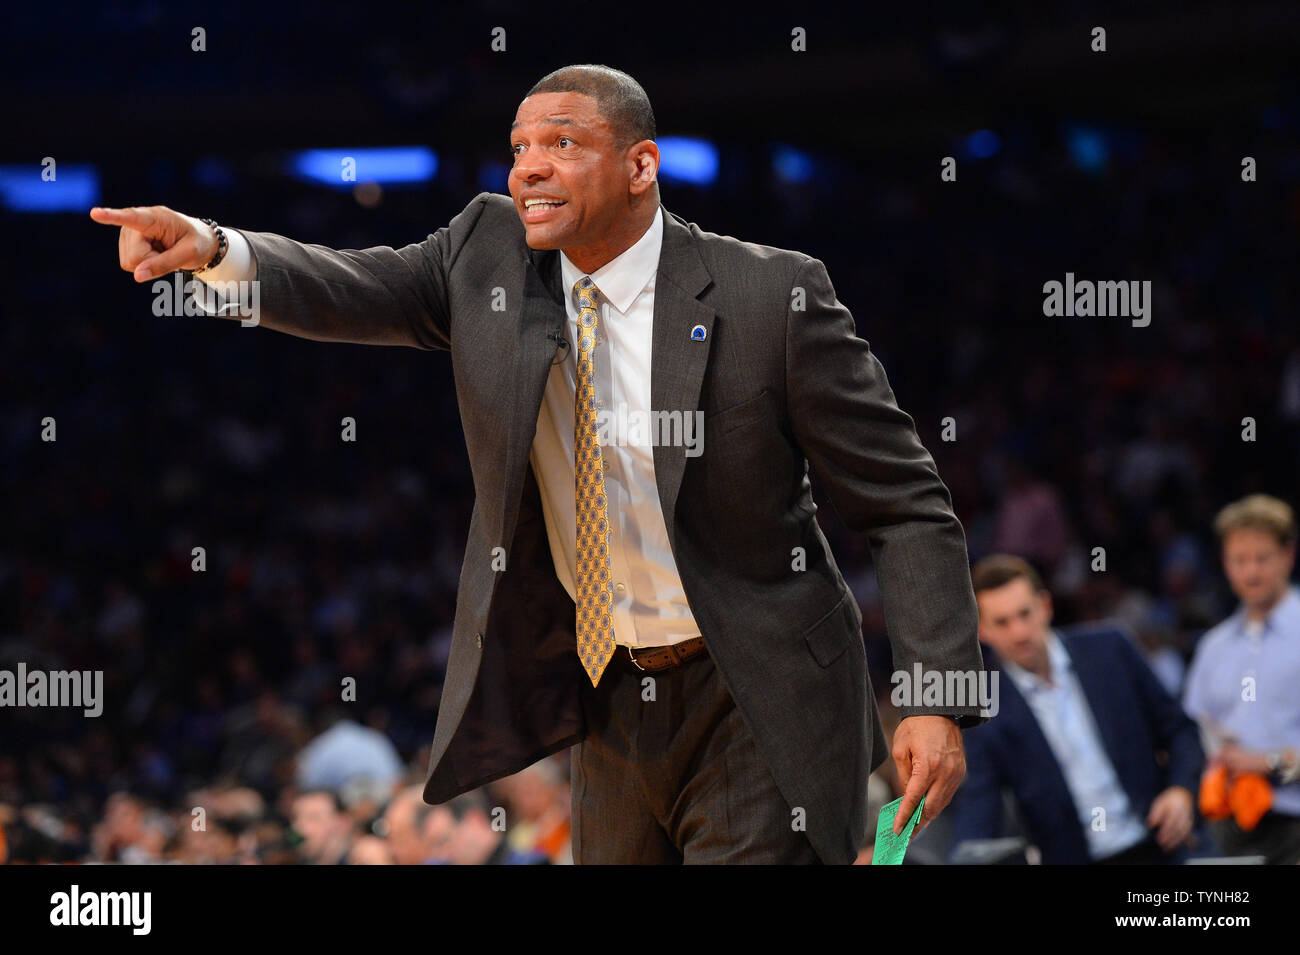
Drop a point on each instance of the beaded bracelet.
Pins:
(222, 246)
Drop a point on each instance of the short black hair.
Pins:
(336, 800)
(998, 570)
(472, 801)
(620, 99)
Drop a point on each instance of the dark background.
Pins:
(329, 559)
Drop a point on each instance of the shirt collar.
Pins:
(1058, 662)
(623, 277)
(1286, 609)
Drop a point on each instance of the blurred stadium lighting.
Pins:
(387, 166)
(792, 165)
(981, 144)
(1088, 148)
(73, 189)
(692, 161)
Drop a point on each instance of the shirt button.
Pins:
(620, 587)
(478, 639)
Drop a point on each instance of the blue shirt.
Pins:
(1245, 684)
(1063, 714)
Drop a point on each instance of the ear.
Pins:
(1046, 603)
(645, 170)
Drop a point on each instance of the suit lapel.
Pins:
(678, 361)
(1021, 725)
(541, 313)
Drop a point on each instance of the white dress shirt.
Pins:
(1268, 653)
(649, 607)
(1063, 714)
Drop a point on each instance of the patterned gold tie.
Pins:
(595, 597)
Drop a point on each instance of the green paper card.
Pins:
(891, 848)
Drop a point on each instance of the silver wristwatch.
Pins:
(1276, 765)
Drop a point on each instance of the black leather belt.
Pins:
(651, 659)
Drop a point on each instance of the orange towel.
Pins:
(1213, 799)
(1250, 797)
(1245, 797)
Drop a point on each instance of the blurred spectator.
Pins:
(370, 850)
(1101, 762)
(322, 822)
(1031, 519)
(479, 836)
(539, 808)
(1244, 684)
(130, 832)
(347, 752)
(411, 835)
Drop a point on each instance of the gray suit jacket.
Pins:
(782, 380)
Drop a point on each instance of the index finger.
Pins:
(136, 218)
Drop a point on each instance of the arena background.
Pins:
(328, 559)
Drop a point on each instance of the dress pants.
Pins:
(1146, 852)
(670, 774)
(1276, 837)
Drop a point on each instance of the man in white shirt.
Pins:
(1244, 683)
(1101, 762)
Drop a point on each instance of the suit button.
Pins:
(478, 639)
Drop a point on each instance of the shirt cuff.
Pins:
(224, 288)
(237, 266)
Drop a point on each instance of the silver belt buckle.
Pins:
(631, 656)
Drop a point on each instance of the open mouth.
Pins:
(538, 210)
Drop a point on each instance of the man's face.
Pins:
(440, 833)
(406, 843)
(1257, 566)
(466, 846)
(315, 819)
(564, 151)
(1014, 621)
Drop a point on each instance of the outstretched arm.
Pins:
(380, 296)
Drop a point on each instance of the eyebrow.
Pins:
(556, 121)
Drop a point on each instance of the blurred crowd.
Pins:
(371, 819)
(200, 532)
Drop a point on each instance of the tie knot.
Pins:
(587, 293)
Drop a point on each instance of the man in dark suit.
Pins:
(668, 606)
(1101, 761)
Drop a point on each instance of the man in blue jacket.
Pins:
(1101, 761)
